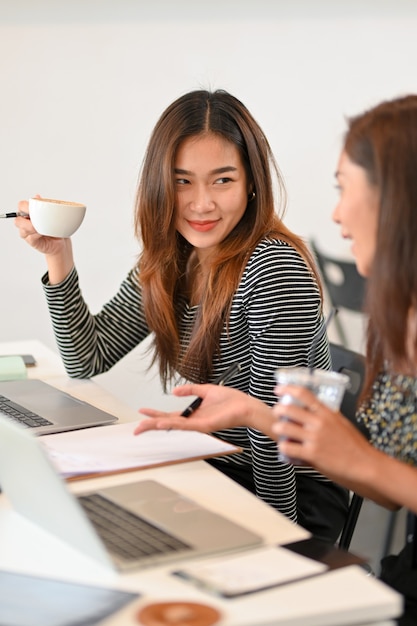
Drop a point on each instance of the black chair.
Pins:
(344, 285)
(353, 365)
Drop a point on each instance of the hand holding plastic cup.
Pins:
(329, 387)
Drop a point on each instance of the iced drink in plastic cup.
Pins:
(328, 386)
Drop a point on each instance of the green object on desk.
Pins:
(12, 368)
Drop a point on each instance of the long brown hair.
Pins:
(383, 141)
(165, 253)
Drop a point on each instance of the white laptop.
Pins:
(46, 410)
(37, 492)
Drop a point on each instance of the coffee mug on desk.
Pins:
(56, 218)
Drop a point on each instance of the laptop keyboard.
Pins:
(125, 533)
(20, 414)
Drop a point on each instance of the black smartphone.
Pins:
(29, 360)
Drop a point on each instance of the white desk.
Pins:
(343, 597)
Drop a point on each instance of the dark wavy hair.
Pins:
(383, 141)
(165, 253)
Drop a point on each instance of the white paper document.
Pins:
(251, 571)
(114, 448)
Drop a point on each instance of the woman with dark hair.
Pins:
(219, 279)
(377, 210)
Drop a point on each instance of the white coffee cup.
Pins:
(56, 218)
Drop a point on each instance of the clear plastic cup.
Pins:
(328, 386)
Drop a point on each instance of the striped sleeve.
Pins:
(92, 344)
(282, 305)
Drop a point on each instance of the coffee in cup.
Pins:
(56, 218)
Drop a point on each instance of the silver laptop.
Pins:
(45, 409)
(164, 525)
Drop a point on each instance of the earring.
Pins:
(251, 196)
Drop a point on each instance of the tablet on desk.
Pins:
(35, 601)
(250, 572)
(266, 567)
(325, 552)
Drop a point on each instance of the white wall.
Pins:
(83, 82)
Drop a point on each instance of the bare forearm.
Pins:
(387, 481)
(259, 416)
(61, 263)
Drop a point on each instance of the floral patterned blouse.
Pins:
(390, 416)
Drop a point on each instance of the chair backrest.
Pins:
(353, 365)
(344, 284)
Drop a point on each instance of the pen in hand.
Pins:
(14, 214)
(221, 380)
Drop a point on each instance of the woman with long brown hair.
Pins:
(377, 210)
(219, 279)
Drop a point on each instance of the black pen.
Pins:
(221, 380)
(18, 214)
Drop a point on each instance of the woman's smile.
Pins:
(203, 225)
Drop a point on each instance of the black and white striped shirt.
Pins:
(275, 313)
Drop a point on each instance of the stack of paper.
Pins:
(110, 449)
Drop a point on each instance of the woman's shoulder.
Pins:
(274, 243)
(277, 254)
(393, 388)
(134, 275)
(390, 415)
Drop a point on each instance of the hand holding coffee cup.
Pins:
(56, 218)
